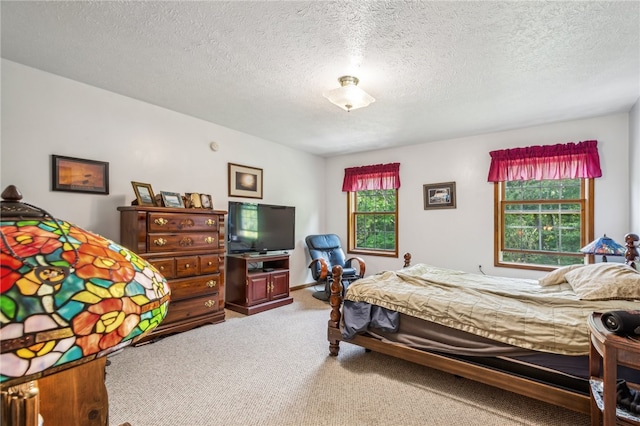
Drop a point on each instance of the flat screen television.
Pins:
(260, 228)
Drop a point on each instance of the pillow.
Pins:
(604, 281)
(557, 276)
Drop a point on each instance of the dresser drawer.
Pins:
(184, 288)
(174, 222)
(209, 263)
(167, 267)
(190, 308)
(180, 242)
(187, 266)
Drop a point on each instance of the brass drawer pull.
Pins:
(211, 283)
(210, 303)
(186, 241)
(162, 268)
(187, 266)
(160, 241)
(209, 240)
(210, 222)
(210, 263)
(160, 221)
(186, 222)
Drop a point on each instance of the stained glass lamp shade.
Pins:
(604, 246)
(67, 295)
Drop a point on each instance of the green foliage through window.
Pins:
(542, 222)
(373, 221)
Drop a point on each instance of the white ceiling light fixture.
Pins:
(349, 96)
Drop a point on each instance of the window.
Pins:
(372, 206)
(248, 221)
(543, 223)
(544, 203)
(373, 222)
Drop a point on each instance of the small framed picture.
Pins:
(206, 201)
(245, 181)
(144, 194)
(193, 199)
(79, 175)
(172, 199)
(439, 195)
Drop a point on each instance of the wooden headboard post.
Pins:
(631, 255)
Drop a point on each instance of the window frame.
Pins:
(351, 226)
(587, 203)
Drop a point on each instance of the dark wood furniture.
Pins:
(71, 394)
(75, 396)
(187, 246)
(503, 378)
(609, 350)
(257, 283)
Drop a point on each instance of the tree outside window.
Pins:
(543, 223)
(373, 220)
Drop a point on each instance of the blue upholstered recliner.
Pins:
(326, 252)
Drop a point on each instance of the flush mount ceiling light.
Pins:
(349, 96)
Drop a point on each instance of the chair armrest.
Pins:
(324, 268)
(361, 265)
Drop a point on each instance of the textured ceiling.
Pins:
(438, 70)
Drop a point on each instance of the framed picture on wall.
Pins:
(245, 181)
(79, 175)
(439, 195)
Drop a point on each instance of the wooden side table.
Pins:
(612, 350)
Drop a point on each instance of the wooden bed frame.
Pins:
(530, 387)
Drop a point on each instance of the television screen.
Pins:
(260, 228)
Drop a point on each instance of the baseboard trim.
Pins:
(301, 286)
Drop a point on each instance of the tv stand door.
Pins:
(279, 284)
(258, 288)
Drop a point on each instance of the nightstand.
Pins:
(612, 350)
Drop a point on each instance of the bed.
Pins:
(535, 343)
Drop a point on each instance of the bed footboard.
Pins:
(335, 300)
(334, 335)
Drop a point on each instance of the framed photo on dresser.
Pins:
(192, 200)
(172, 199)
(205, 201)
(144, 194)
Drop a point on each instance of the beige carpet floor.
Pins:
(274, 368)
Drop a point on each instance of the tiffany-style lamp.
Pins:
(67, 296)
(604, 246)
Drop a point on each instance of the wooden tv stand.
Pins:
(257, 283)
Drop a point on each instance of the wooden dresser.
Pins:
(187, 246)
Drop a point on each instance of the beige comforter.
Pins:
(518, 312)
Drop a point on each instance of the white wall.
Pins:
(634, 167)
(462, 238)
(44, 114)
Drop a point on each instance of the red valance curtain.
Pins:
(561, 161)
(378, 176)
